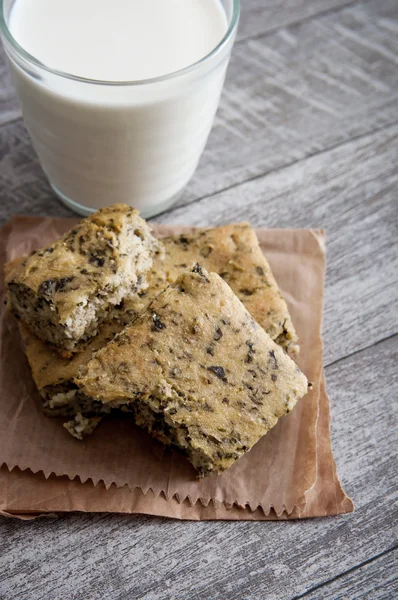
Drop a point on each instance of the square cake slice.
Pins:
(198, 373)
(54, 374)
(64, 291)
(233, 252)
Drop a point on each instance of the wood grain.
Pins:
(376, 579)
(352, 192)
(9, 107)
(24, 188)
(153, 559)
(300, 91)
(259, 17)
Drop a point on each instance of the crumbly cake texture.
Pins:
(234, 253)
(54, 374)
(197, 372)
(80, 426)
(65, 291)
(54, 378)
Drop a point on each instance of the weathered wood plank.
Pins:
(288, 95)
(377, 579)
(352, 192)
(24, 188)
(153, 559)
(301, 90)
(9, 107)
(259, 17)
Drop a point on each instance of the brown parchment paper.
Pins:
(278, 475)
(24, 495)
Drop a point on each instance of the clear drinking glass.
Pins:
(137, 142)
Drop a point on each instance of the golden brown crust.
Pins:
(233, 252)
(198, 371)
(62, 292)
(49, 368)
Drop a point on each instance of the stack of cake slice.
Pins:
(191, 340)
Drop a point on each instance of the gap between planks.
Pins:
(338, 360)
(299, 21)
(277, 169)
(267, 172)
(345, 573)
(11, 121)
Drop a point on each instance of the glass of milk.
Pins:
(119, 96)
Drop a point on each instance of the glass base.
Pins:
(85, 211)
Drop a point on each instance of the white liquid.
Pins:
(100, 144)
(118, 40)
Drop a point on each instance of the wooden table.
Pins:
(306, 136)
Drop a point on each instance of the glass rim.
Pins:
(4, 30)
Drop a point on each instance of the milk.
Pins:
(118, 40)
(125, 137)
